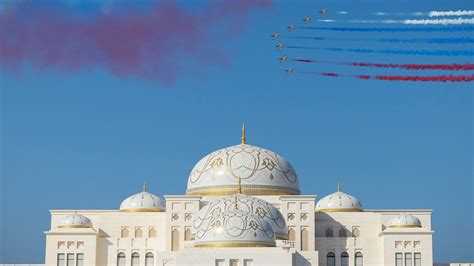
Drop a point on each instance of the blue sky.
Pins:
(87, 139)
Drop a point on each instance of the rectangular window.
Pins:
(417, 259)
(220, 262)
(61, 259)
(79, 259)
(398, 259)
(248, 262)
(234, 262)
(70, 259)
(408, 259)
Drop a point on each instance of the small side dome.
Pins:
(228, 222)
(339, 202)
(404, 220)
(143, 202)
(75, 221)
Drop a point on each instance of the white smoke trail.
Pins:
(342, 12)
(456, 21)
(386, 21)
(451, 13)
(430, 13)
(400, 13)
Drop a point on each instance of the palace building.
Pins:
(242, 207)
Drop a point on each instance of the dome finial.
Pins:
(243, 140)
(338, 186)
(239, 190)
(144, 186)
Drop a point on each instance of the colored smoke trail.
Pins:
(160, 43)
(399, 29)
(438, 78)
(449, 67)
(391, 40)
(390, 51)
(407, 52)
(429, 40)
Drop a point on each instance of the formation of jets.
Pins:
(292, 27)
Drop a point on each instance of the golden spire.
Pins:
(243, 140)
(235, 201)
(239, 190)
(144, 186)
(338, 187)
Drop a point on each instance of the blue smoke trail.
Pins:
(400, 29)
(389, 51)
(432, 40)
(410, 52)
(391, 40)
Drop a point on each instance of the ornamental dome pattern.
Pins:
(238, 221)
(262, 172)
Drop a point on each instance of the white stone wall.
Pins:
(104, 241)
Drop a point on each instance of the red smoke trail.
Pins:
(439, 78)
(159, 43)
(443, 78)
(450, 67)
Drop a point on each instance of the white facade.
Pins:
(201, 229)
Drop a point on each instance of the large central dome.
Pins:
(262, 172)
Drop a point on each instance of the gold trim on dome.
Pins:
(404, 226)
(340, 210)
(233, 245)
(143, 210)
(74, 226)
(230, 190)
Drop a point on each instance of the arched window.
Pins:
(342, 232)
(304, 239)
(331, 259)
(359, 259)
(344, 259)
(175, 239)
(121, 259)
(124, 232)
(149, 259)
(152, 233)
(291, 234)
(329, 232)
(135, 259)
(187, 234)
(138, 232)
(355, 232)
